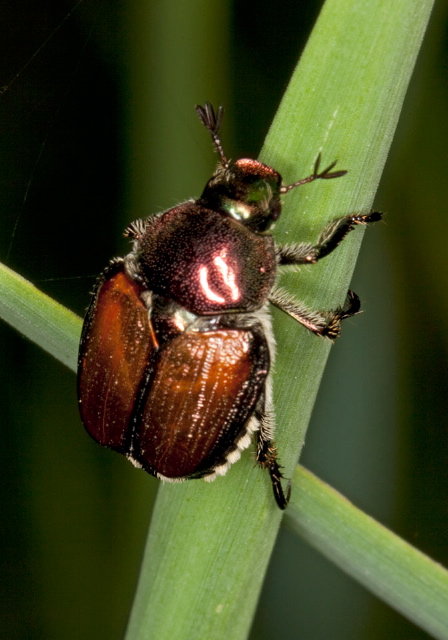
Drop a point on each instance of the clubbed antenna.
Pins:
(323, 175)
(212, 121)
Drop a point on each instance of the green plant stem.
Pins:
(388, 566)
(39, 317)
(209, 545)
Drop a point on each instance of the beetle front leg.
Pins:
(267, 458)
(321, 323)
(329, 239)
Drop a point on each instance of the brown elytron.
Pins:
(117, 346)
(204, 388)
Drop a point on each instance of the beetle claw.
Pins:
(281, 499)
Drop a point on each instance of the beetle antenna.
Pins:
(212, 121)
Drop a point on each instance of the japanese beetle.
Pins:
(177, 344)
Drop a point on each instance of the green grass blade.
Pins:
(388, 566)
(344, 100)
(209, 544)
(39, 318)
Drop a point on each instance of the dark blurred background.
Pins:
(97, 128)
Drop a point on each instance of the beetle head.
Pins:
(247, 191)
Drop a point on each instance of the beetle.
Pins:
(177, 345)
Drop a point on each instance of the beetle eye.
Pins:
(275, 209)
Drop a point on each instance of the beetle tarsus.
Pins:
(352, 305)
(281, 498)
(326, 174)
(267, 459)
(351, 308)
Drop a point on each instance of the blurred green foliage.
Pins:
(75, 516)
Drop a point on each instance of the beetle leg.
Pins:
(276, 478)
(326, 174)
(321, 323)
(329, 239)
(267, 457)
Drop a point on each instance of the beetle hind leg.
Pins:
(267, 459)
(281, 499)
